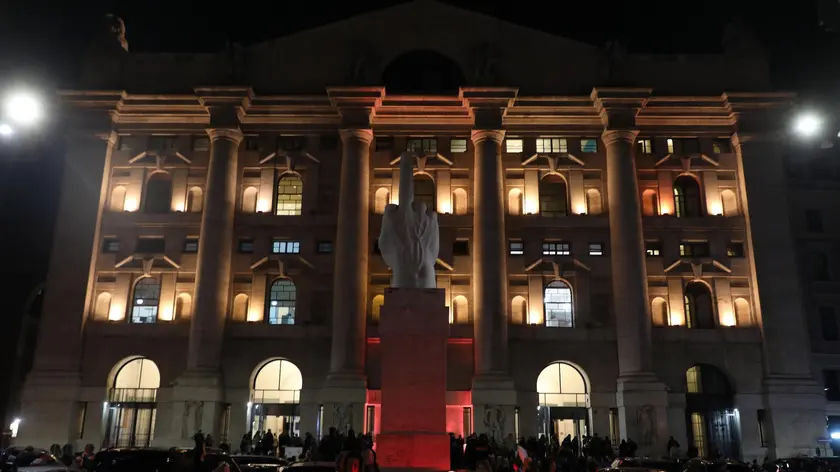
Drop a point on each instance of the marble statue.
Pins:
(409, 240)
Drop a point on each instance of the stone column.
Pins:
(212, 282)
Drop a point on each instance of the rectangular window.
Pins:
(698, 433)
(828, 322)
(516, 248)
(596, 249)
(645, 146)
(153, 245)
(246, 246)
(370, 419)
(549, 145)
(191, 245)
(669, 143)
(653, 248)
(557, 249)
(813, 221)
(458, 145)
(694, 249)
(689, 146)
(384, 143)
(735, 250)
(325, 247)
(762, 427)
(161, 143)
(201, 143)
(123, 144)
(513, 145)
(111, 245)
(285, 247)
(831, 383)
(252, 143)
(461, 247)
(422, 145)
(588, 145)
(291, 143)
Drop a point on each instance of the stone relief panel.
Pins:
(494, 422)
(193, 410)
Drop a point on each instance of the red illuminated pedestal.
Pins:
(413, 329)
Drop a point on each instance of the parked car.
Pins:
(310, 467)
(157, 460)
(253, 463)
(19, 459)
(644, 464)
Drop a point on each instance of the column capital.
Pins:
(610, 136)
(618, 106)
(360, 134)
(479, 135)
(233, 134)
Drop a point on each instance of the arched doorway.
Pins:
(563, 401)
(687, 197)
(275, 398)
(132, 404)
(424, 191)
(423, 72)
(711, 418)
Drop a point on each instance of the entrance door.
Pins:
(278, 418)
(559, 421)
(130, 425)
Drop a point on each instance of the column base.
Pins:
(413, 451)
(343, 398)
(796, 408)
(494, 400)
(49, 408)
(643, 411)
(197, 403)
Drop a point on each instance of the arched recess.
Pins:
(424, 191)
(281, 300)
(515, 203)
(593, 201)
(687, 199)
(460, 203)
(711, 417)
(289, 195)
(145, 300)
(559, 306)
(563, 395)
(699, 309)
(117, 202)
(381, 198)
(158, 195)
(195, 199)
(275, 397)
(554, 196)
(519, 310)
(376, 307)
(249, 200)
(743, 313)
(730, 202)
(423, 72)
(102, 308)
(183, 306)
(240, 307)
(460, 310)
(132, 403)
(659, 312)
(650, 202)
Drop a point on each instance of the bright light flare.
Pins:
(808, 125)
(23, 108)
(6, 130)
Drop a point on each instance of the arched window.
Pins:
(519, 310)
(515, 201)
(559, 312)
(183, 306)
(240, 307)
(282, 296)
(553, 196)
(195, 199)
(593, 201)
(144, 305)
(278, 382)
(687, 197)
(132, 404)
(650, 203)
(249, 200)
(380, 200)
(289, 195)
(460, 310)
(424, 191)
(699, 312)
(158, 197)
(730, 202)
(117, 202)
(659, 312)
(102, 309)
(743, 314)
(138, 373)
(561, 384)
(459, 201)
(376, 307)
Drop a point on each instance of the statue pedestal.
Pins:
(414, 332)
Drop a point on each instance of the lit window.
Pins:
(548, 145)
(516, 248)
(513, 145)
(716, 148)
(588, 145)
(325, 247)
(285, 247)
(289, 195)
(596, 249)
(246, 245)
(558, 305)
(191, 245)
(557, 249)
(144, 307)
(282, 296)
(694, 249)
(653, 248)
(422, 145)
(645, 146)
(735, 250)
(111, 245)
(458, 145)
(670, 143)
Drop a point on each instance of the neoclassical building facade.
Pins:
(612, 257)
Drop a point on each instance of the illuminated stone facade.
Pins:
(220, 211)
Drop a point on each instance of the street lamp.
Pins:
(21, 108)
(808, 124)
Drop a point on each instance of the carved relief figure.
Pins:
(185, 432)
(494, 422)
(343, 416)
(646, 420)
